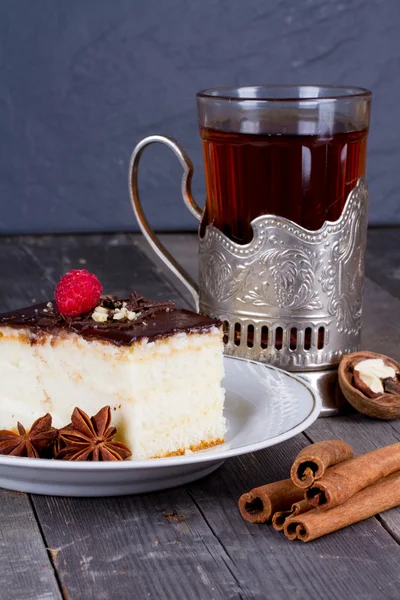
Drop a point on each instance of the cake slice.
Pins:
(159, 369)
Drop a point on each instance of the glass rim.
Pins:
(339, 92)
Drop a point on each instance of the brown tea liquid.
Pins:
(304, 178)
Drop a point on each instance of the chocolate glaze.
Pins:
(156, 320)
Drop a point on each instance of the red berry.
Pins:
(77, 292)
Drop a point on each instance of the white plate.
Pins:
(264, 406)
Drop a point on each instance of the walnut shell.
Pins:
(382, 406)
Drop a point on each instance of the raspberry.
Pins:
(77, 292)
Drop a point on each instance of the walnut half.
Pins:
(371, 383)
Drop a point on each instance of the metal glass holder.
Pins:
(291, 297)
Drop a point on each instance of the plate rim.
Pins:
(173, 461)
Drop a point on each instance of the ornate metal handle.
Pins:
(188, 199)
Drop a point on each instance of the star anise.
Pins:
(58, 443)
(32, 443)
(91, 438)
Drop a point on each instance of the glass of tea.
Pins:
(283, 232)
(291, 151)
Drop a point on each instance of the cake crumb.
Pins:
(132, 315)
(125, 313)
(119, 314)
(100, 314)
(102, 309)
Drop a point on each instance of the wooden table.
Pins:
(191, 542)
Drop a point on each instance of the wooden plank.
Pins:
(381, 333)
(119, 264)
(220, 550)
(161, 546)
(364, 435)
(22, 281)
(391, 518)
(117, 543)
(184, 247)
(149, 546)
(383, 258)
(381, 324)
(26, 571)
(158, 545)
(358, 562)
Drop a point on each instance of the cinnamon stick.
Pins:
(380, 496)
(297, 509)
(258, 505)
(312, 462)
(342, 481)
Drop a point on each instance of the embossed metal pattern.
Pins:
(291, 297)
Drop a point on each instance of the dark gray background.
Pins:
(81, 81)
